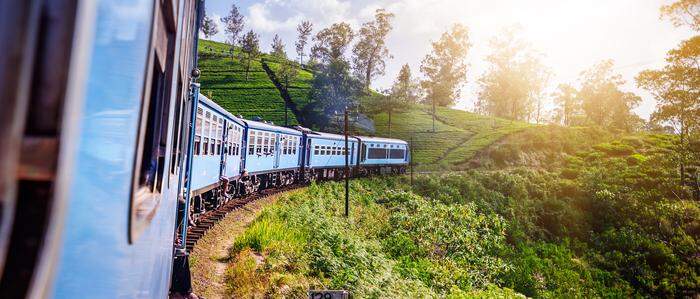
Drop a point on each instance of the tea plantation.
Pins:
(458, 135)
(224, 80)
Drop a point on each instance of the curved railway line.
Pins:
(208, 219)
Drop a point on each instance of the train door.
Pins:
(224, 147)
(351, 153)
(277, 150)
(308, 151)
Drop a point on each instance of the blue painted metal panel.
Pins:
(337, 160)
(96, 260)
(205, 171)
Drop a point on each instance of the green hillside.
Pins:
(459, 135)
(223, 78)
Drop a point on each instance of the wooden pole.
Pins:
(347, 168)
(410, 159)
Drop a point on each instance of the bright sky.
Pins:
(572, 34)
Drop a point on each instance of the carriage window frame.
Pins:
(154, 128)
(251, 142)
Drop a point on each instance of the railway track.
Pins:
(210, 218)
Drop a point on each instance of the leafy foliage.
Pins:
(604, 222)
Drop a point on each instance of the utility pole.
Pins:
(433, 100)
(347, 168)
(410, 159)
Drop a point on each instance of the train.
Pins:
(233, 156)
(109, 151)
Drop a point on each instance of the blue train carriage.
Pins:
(382, 155)
(94, 101)
(217, 156)
(325, 155)
(272, 158)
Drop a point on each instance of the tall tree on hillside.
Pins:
(333, 87)
(233, 26)
(513, 86)
(332, 42)
(603, 101)
(250, 50)
(405, 88)
(676, 88)
(303, 32)
(444, 69)
(278, 48)
(209, 27)
(370, 52)
(402, 94)
(568, 104)
(683, 13)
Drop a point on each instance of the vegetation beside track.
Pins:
(603, 221)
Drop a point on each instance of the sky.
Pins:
(572, 35)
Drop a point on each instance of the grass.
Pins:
(602, 219)
(458, 135)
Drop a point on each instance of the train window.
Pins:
(377, 153)
(206, 146)
(153, 129)
(316, 150)
(218, 147)
(212, 144)
(197, 141)
(251, 142)
(205, 132)
(397, 153)
(198, 122)
(220, 131)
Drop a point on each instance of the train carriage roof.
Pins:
(381, 140)
(220, 110)
(256, 125)
(330, 136)
(244, 122)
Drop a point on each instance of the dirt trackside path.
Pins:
(209, 257)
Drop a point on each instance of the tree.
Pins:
(568, 104)
(370, 52)
(288, 71)
(332, 42)
(444, 69)
(250, 50)
(401, 95)
(405, 88)
(683, 13)
(513, 86)
(278, 48)
(333, 90)
(676, 88)
(303, 32)
(603, 101)
(233, 25)
(209, 27)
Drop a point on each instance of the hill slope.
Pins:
(223, 79)
(459, 135)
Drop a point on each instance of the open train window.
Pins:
(197, 142)
(175, 158)
(149, 166)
